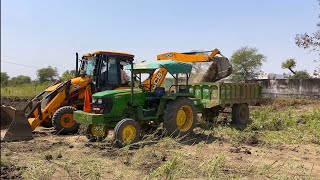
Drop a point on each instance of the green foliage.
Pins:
(289, 64)
(68, 75)
(47, 74)
(21, 79)
(310, 40)
(246, 63)
(301, 75)
(169, 168)
(4, 78)
(213, 166)
(305, 125)
(24, 90)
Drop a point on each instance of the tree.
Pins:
(4, 78)
(21, 79)
(68, 74)
(246, 63)
(47, 74)
(310, 41)
(300, 75)
(289, 64)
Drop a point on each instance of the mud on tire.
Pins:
(63, 121)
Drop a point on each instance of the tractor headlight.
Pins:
(94, 100)
(102, 106)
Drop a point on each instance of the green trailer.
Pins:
(213, 98)
(126, 111)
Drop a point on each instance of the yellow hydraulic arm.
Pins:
(190, 56)
(159, 76)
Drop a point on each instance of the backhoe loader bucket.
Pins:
(220, 68)
(14, 125)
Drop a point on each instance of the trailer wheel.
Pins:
(240, 114)
(96, 132)
(127, 131)
(179, 117)
(63, 121)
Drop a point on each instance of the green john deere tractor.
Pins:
(126, 110)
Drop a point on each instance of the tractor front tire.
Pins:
(96, 133)
(63, 122)
(240, 114)
(127, 131)
(179, 117)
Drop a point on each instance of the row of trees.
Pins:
(48, 74)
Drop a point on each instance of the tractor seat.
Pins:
(157, 93)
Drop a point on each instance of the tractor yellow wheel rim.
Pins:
(98, 131)
(128, 133)
(67, 120)
(184, 118)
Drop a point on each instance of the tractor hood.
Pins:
(115, 93)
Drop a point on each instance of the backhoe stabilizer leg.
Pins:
(14, 125)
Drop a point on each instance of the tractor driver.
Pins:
(124, 77)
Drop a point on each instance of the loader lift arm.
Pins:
(220, 67)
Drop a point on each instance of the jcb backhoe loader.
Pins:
(98, 71)
(220, 67)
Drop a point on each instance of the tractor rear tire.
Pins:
(240, 114)
(96, 133)
(127, 131)
(63, 122)
(179, 117)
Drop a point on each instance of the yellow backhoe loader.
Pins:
(98, 71)
(220, 67)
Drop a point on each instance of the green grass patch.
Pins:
(23, 90)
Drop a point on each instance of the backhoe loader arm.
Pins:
(190, 56)
(220, 67)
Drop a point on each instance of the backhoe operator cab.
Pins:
(54, 106)
(104, 68)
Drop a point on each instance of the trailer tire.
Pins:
(63, 122)
(240, 114)
(128, 127)
(179, 117)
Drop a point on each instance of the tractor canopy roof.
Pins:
(173, 67)
(110, 53)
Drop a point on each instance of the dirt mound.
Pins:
(9, 171)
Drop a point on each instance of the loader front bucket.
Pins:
(14, 125)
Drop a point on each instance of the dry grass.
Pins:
(263, 150)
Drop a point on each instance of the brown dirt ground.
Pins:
(71, 157)
(258, 161)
